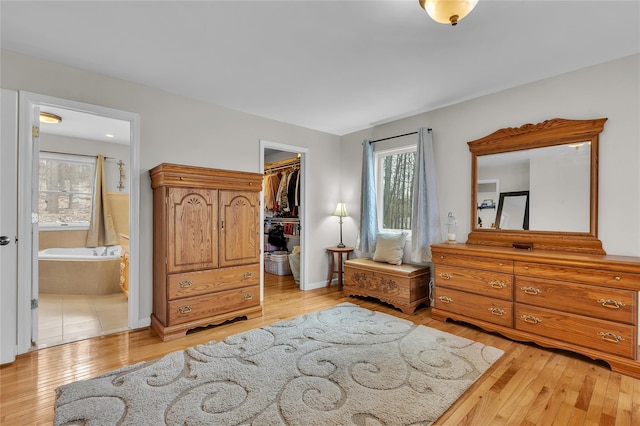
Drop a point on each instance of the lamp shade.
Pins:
(448, 11)
(341, 210)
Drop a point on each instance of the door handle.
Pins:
(4, 240)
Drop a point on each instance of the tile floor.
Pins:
(64, 318)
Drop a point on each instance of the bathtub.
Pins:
(79, 270)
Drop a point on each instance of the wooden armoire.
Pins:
(206, 247)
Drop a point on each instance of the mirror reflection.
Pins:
(556, 180)
(513, 211)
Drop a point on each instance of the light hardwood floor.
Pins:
(529, 385)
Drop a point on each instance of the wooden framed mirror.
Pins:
(556, 163)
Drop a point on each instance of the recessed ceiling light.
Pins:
(109, 135)
(48, 118)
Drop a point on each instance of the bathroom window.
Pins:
(394, 187)
(66, 190)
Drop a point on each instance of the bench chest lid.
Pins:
(406, 269)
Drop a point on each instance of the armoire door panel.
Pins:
(239, 227)
(192, 229)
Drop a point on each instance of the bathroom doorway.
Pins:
(82, 290)
(76, 289)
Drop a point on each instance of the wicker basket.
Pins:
(277, 263)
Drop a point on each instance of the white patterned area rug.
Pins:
(341, 366)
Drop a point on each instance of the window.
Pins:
(394, 185)
(66, 190)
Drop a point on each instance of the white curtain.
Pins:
(102, 231)
(425, 218)
(368, 208)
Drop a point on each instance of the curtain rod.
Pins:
(397, 136)
(78, 155)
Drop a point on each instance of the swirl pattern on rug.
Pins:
(341, 366)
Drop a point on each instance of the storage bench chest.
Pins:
(403, 286)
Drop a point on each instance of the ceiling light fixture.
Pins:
(448, 11)
(48, 118)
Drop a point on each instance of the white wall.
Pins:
(178, 130)
(560, 192)
(606, 90)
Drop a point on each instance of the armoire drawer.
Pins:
(190, 284)
(500, 265)
(607, 336)
(195, 308)
(486, 283)
(600, 302)
(602, 277)
(478, 307)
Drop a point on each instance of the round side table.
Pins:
(337, 260)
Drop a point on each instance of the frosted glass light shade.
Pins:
(448, 11)
(48, 118)
(341, 210)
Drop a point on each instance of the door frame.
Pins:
(304, 169)
(9, 225)
(29, 101)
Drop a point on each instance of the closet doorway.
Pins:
(283, 239)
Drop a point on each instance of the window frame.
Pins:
(60, 226)
(378, 164)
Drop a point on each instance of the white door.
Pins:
(8, 226)
(35, 196)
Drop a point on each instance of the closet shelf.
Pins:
(282, 219)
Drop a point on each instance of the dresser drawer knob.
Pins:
(445, 276)
(526, 268)
(497, 284)
(185, 283)
(445, 299)
(618, 278)
(610, 303)
(530, 319)
(497, 311)
(500, 264)
(185, 309)
(247, 275)
(247, 296)
(531, 291)
(610, 337)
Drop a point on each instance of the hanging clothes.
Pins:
(282, 191)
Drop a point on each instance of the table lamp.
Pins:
(341, 211)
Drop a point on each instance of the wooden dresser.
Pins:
(586, 303)
(206, 248)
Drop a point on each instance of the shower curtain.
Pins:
(102, 231)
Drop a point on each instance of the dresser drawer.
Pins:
(486, 283)
(190, 284)
(478, 307)
(592, 333)
(599, 302)
(602, 277)
(499, 265)
(195, 308)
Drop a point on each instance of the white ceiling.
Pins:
(87, 126)
(333, 66)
